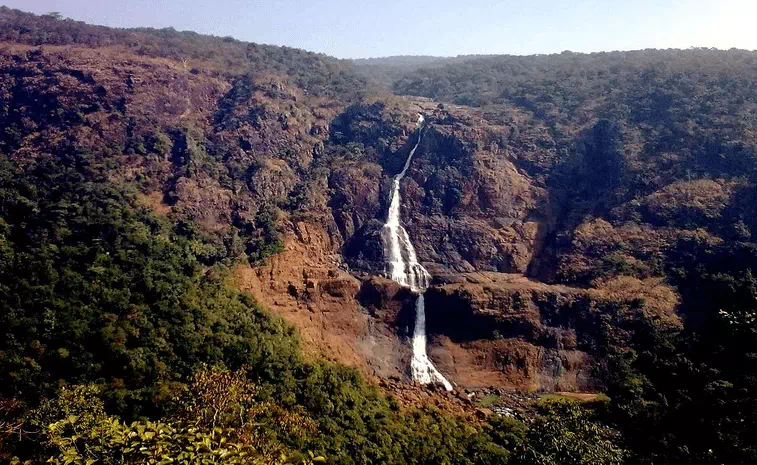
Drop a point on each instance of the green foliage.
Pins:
(72, 420)
(222, 417)
(358, 425)
(646, 85)
(76, 430)
(94, 288)
(689, 398)
(155, 442)
(567, 434)
(654, 116)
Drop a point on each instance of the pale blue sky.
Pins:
(365, 28)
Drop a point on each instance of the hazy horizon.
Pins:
(440, 29)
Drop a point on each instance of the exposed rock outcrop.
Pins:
(468, 205)
(485, 328)
(475, 205)
(505, 330)
(358, 322)
(239, 162)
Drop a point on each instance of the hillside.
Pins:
(649, 174)
(190, 225)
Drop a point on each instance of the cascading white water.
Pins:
(404, 269)
(421, 367)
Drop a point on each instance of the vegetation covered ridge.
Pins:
(138, 166)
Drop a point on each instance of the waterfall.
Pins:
(421, 367)
(403, 267)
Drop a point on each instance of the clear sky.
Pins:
(371, 28)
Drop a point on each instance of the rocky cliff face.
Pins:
(475, 203)
(466, 202)
(507, 329)
(360, 322)
(485, 328)
(260, 165)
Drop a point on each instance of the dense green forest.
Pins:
(122, 339)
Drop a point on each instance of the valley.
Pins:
(481, 259)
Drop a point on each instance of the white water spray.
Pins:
(404, 269)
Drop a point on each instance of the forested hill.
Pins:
(385, 71)
(316, 73)
(137, 169)
(190, 251)
(656, 177)
(569, 80)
